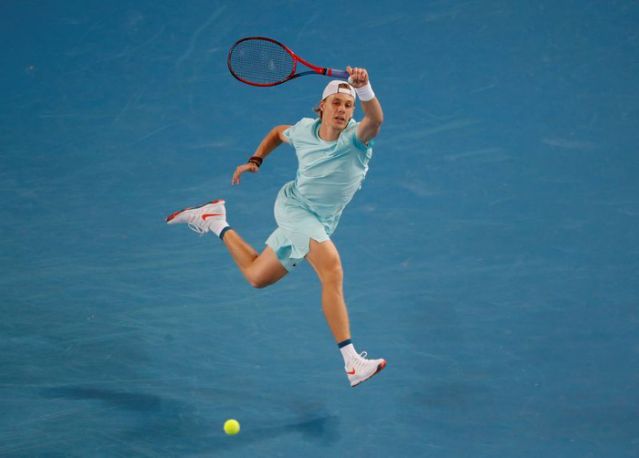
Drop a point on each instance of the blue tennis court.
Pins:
(492, 255)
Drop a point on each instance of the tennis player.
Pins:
(333, 152)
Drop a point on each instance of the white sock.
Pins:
(218, 226)
(348, 353)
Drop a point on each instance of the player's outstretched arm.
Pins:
(373, 115)
(272, 140)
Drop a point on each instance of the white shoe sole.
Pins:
(380, 366)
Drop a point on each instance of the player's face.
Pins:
(337, 110)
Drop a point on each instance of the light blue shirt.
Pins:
(329, 173)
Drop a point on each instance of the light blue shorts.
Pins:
(297, 225)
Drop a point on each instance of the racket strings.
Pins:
(261, 62)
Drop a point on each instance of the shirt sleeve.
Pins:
(290, 134)
(296, 131)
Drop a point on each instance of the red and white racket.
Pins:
(261, 61)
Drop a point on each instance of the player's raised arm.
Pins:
(373, 115)
(271, 141)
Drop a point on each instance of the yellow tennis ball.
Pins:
(231, 427)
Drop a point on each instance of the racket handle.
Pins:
(342, 74)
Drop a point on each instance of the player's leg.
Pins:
(260, 270)
(325, 259)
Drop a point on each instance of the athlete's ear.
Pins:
(320, 109)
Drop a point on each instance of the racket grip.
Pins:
(341, 74)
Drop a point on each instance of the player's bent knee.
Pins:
(258, 285)
(261, 278)
(257, 282)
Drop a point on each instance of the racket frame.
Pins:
(314, 69)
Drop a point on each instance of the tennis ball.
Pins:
(231, 427)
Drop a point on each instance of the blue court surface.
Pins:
(492, 255)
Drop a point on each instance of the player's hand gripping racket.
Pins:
(261, 61)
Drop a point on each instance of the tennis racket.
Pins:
(261, 61)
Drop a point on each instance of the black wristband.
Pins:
(256, 160)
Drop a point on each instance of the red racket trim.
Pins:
(316, 69)
(252, 83)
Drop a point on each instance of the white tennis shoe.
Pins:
(208, 217)
(360, 369)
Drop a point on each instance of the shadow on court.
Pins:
(167, 424)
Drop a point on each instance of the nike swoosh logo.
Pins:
(351, 372)
(210, 215)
